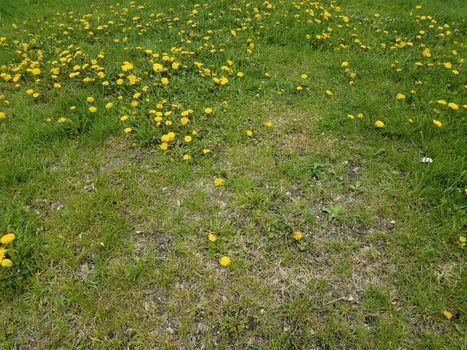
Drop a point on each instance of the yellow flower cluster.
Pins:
(130, 85)
(351, 75)
(5, 240)
(223, 260)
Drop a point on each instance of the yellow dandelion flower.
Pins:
(448, 314)
(127, 66)
(187, 138)
(329, 93)
(158, 68)
(132, 80)
(249, 133)
(225, 261)
(379, 124)
(171, 136)
(92, 109)
(127, 130)
(400, 96)
(7, 238)
(223, 80)
(297, 235)
(453, 106)
(165, 81)
(219, 181)
(437, 123)
(164, 146)
(109, 105)
(212, 237)
(208, 110)
(426, 52)
(2, 115)
(6, 263)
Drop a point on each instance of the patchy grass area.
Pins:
(232, 175)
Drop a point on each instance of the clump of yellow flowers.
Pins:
(5, 240)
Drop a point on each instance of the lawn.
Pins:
(233, 174)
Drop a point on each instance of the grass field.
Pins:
(233, 174)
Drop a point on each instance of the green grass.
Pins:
(111, 247)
